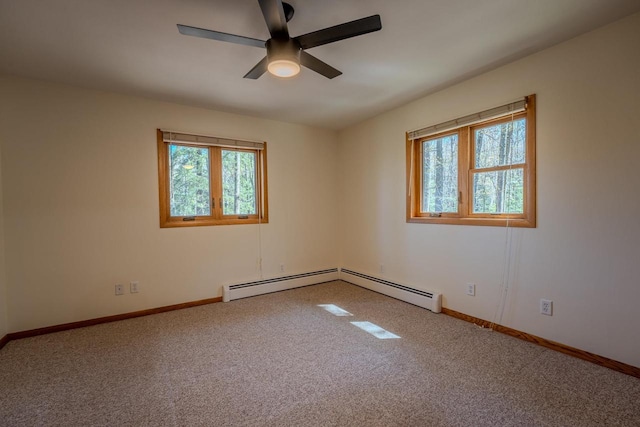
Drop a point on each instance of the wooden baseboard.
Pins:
(107, 319)
(571, 351)
(3, 341)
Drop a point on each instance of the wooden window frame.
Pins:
(216, 217)
(466, 169)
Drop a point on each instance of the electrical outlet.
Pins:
(382, 269)
(546, 307)
(471, 289)
(119, 289)
(134, 287)
(281, 268)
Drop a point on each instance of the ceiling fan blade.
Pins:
(258, 70)
(313, 63)
(273, 13)
(217, 35)
(340, 32)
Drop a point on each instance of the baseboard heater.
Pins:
(259, 287)
(427, 299)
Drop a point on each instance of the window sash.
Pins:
(474, 170)
(421, 208)
(172, 193)
(216, 191)
(255, 186)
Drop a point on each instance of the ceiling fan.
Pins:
(285, 54)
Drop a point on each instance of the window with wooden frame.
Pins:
(476, 170)
(206, 180)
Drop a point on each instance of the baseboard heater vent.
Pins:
(427, 299)
(259, 287)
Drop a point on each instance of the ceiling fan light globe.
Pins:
(283, 68)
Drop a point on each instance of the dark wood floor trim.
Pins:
(571, 351)
(3, 341)
(99, 320)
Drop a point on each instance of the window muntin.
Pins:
(211, 185)
(495, 177)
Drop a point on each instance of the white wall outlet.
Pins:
(281, 268)
(119, 289)
(546, 307)
(471, 289)
(134, 287)
(382, 269)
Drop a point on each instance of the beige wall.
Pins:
(584, 255)
(80, 187)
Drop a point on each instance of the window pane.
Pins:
(440, 174)
(190, 191)
(500, 145)
(498, 192)
(238, 183)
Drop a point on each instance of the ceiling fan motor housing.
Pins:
(283, 50)
(283, 57)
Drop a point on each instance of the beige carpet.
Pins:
(281, 360)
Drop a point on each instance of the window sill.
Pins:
(489, 222)
(178, 222)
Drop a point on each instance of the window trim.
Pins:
(465, 216)
(217, 217)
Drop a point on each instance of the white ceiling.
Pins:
(133, 46)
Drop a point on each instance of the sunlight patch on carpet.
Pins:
(375, 330)
(335, 310)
